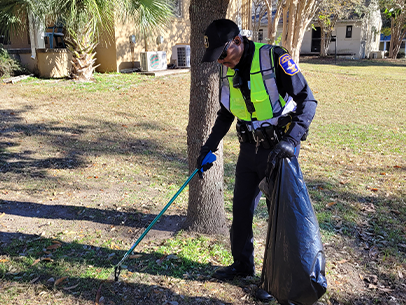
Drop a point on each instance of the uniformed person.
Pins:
(263, 87)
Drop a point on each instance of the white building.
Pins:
(355, 37)
(385, 43)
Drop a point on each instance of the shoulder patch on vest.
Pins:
(288, 65)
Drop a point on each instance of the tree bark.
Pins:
(398, 33)
(273, 24)
(296, 17)
(326, 33)
(206, 198)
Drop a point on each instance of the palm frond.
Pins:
(148, 14)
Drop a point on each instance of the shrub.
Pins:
(8, 65)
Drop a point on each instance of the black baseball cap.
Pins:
(217, 34)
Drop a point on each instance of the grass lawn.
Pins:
(86, 167)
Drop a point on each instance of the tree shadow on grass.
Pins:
(74, 144)
(38, 263)
(126, 222)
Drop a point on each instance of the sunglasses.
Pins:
(224, 53)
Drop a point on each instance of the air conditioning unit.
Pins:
(153, 61)
(181, 55)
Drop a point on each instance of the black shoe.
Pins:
(232, 271)
(263, 296)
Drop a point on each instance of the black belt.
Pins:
(266, 136)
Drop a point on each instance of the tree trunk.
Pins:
(82, 47)
(323, 49)
(273, 26)
(284, 24)
(326, 29)
(397, 34)
(300, 14)
(206, 200)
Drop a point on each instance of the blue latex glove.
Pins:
(203, 152)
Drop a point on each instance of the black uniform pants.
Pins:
(250, 170)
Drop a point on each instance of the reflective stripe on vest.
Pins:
(268, 103)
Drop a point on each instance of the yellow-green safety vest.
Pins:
(268, 103)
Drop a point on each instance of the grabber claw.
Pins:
(117, 271)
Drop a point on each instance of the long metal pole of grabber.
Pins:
(210, 158)
(118, 266)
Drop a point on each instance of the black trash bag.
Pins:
(294, 262)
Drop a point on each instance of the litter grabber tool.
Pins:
(210, 158)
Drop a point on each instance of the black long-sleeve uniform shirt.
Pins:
(294, 85)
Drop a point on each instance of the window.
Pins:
(348, 33)
(261, 35)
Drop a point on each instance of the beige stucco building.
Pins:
(121, 54)
(116, 51)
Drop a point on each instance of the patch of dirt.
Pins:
(61, 214)
(354, 277)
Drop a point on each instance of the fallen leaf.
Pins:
(34, 280)
(71, 287)
(56, 242)
(342, 261)
(373, 279)
(397, 166)
(330, 204)
(361, 276)
(373, 252)
(58, 281)
(135, 256)
(385, 289)
(98, 295)
(36, 262)
(400, 274)
(47, 259)
(374, 189)
(54, 247)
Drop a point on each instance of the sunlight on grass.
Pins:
(193, 253)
